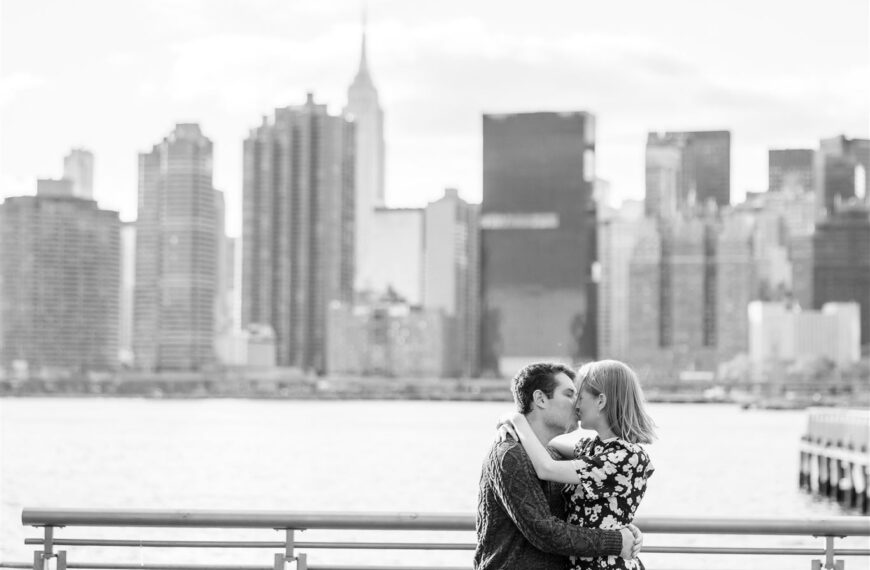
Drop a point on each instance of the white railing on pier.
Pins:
(294, 553)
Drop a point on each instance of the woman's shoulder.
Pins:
(632, 450)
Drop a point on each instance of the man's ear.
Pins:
(539, 398)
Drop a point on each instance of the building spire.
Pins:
(363, 71)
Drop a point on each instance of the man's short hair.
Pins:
(538, 376)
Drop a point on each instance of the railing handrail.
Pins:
(831, 526)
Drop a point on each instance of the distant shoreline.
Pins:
(291, 384)
(675, 398)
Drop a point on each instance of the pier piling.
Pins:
(834, 461)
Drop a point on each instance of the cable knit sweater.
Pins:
(521, 519)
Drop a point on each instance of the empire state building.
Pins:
(365, 110)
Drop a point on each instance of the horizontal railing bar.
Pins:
(128, 566)
(422, 546)
(843, 454)
(256, 544)
(832, 526)
(246, 519)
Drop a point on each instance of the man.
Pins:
(521, 519)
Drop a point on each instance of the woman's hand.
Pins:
(505, 428)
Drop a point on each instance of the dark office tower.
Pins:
(841, 265)
(537, 239)
(298, 228)
(792, 168)
(687, 170)
(60, 261)
(843, 171)
(177, 254)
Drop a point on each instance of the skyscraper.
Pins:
(298, 228)
(451, 280)
(78, 166)
(177, 254)
(674, 295)
(792, 168)
(60, 258)
(735, 285)
(537, 239)
(363, 107)
(687, 169)
(841, 262)
(618, 232)
(128, 282)
(843, 171)
(645, 294)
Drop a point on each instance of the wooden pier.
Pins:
(835, 456)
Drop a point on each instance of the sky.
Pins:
(115, 76)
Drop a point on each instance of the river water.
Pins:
(711, 460)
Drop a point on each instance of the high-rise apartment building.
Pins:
(298, 228)
(60, 261)
(364, 109)
(687, 170)
(177, 254)
(451, 274)
(792, 168)
(537, 239)
(843, 167)
(841, 262)
(78, 166)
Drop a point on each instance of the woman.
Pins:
(607, 474)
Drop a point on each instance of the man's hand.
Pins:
(632, 540)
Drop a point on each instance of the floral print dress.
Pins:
(613, 475)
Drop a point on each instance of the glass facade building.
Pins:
(537, 240)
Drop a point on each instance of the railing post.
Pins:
(41, 557)
(830, 563)
(289, 556)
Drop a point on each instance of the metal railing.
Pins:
(828, 529)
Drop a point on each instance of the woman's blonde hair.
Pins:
(624, 410)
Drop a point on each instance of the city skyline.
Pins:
(224, 69)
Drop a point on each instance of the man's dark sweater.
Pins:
(521, 519)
